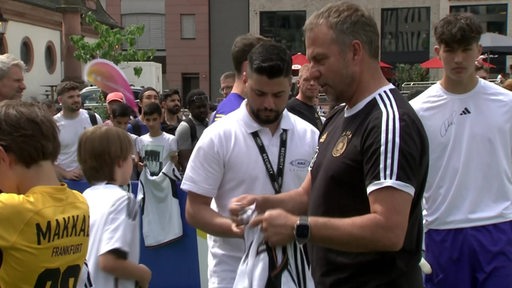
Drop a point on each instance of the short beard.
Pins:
(265, 121)
(174, 111)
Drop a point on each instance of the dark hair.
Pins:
(241, 48)
(458, 30)
(169, 93)
(152, 108)
(67, 86)
(146, 89)
(271, 60)
(348, 22)
(28, 132)
(121, 110)
(196, 95)
(100, 149)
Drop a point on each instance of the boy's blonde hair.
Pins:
(100, 149)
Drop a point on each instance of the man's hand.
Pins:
(238, 205)
(277, 226)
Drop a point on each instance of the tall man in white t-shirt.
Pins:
(228, 162)
(468, 196)
(72, 121)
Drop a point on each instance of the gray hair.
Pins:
(228, 75)
(7, 61)
(348, 22)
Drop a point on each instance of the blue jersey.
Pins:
(228, 105)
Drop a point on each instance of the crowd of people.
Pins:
(287, 198)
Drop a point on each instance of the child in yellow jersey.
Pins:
(44, 225)
(104, 154)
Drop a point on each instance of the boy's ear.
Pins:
(5, 159)
(119, 164)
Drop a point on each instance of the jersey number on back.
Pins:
(56, 279)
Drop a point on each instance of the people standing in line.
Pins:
(468, 207)
(146, 96)
(11, 77)
(242, 45)
(37, 242)
(304, 104)
(227, 162)
(72, 121)
(227, 81)
(105, 155)
(171, 105)
(190, 130)
(360, 205)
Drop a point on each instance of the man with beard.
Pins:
(304, 104)
(192, 128)
(72, 121)
(171, 104)
(360, 205)
(11, 77)
(228, 159)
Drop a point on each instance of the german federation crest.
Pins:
(341, 145)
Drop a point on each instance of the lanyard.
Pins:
(276, 178)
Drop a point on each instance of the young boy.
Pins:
(105, 155)
(120, 115)
(44, 224)
(155, 148)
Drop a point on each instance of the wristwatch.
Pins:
(302, 230)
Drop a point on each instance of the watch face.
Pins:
(302, 231)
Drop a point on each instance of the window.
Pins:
(189, 82)
(50, 57)
(154, 34)
(405, 35)
(27, 53)
(284, 27)
(493, 18)
(188, 26)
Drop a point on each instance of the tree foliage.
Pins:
(410, 73)
(110, 44)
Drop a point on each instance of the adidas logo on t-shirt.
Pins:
(465, 111)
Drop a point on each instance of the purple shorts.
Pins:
(470, 257)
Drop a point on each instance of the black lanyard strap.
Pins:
(276, 178)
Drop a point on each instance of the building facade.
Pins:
(179, 32)
(193, 38)
(38, 33)
(405, 25)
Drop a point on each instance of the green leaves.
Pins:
(116, 45)
(410, 73)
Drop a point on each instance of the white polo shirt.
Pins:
(226, 163)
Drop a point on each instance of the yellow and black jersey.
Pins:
(44, 237)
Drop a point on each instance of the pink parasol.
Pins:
(108, 77)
